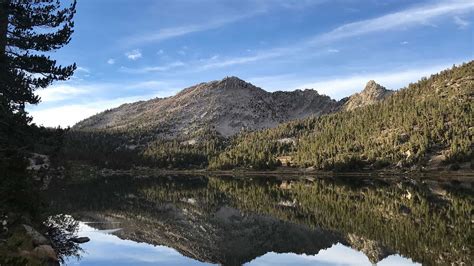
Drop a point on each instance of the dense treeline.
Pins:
(429, 117)
(119, 149)
(194, 153)
(432, 117)
(102, 149)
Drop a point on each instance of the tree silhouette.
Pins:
(28, 30)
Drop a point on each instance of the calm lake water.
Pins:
(272, 220)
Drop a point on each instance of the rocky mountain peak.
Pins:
(233, 82)
(232, 79)
(372, 93)
(373, 88)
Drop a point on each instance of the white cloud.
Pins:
(462, 23)
(134, 54)
(111, 61)
(70, 114)
(211, 62)
(419, 15)
(153, 68)
(333, 50)
(83, 69)
(152, 84)
(173, 32)
(60, 92)
(404, 43)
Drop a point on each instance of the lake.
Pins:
(264, 220)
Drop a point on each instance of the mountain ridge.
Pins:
(227, 106)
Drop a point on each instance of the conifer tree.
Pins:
(29, 29)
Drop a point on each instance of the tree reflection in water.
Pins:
(61, 228)
(234, 220)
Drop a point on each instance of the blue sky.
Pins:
(137, 50)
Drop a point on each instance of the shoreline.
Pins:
(284, 172)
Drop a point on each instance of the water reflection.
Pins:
(61, 230)
(272, 220)
(335, 255)
(108, 249)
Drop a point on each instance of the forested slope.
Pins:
(428, 120)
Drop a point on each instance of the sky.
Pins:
(137, 50)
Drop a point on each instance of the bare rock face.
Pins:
(227, 106)
(371, 94)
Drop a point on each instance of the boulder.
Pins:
(36, 237)
(45, 252)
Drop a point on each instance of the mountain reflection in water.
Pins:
(190, 220)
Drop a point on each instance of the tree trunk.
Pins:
(4, 5)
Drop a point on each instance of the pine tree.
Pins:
(28, 30)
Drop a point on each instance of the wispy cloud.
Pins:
(462, 23)
(134, 54)
(151, 84)
(60, 92)
(83, 69)
(174, 32)
(150, 69)
(225, 62)
(415, 16)
(111, 61)
(69, 114)
(421, 15)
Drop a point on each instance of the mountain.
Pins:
(427, 124)
(228, 106)
(371, 94)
